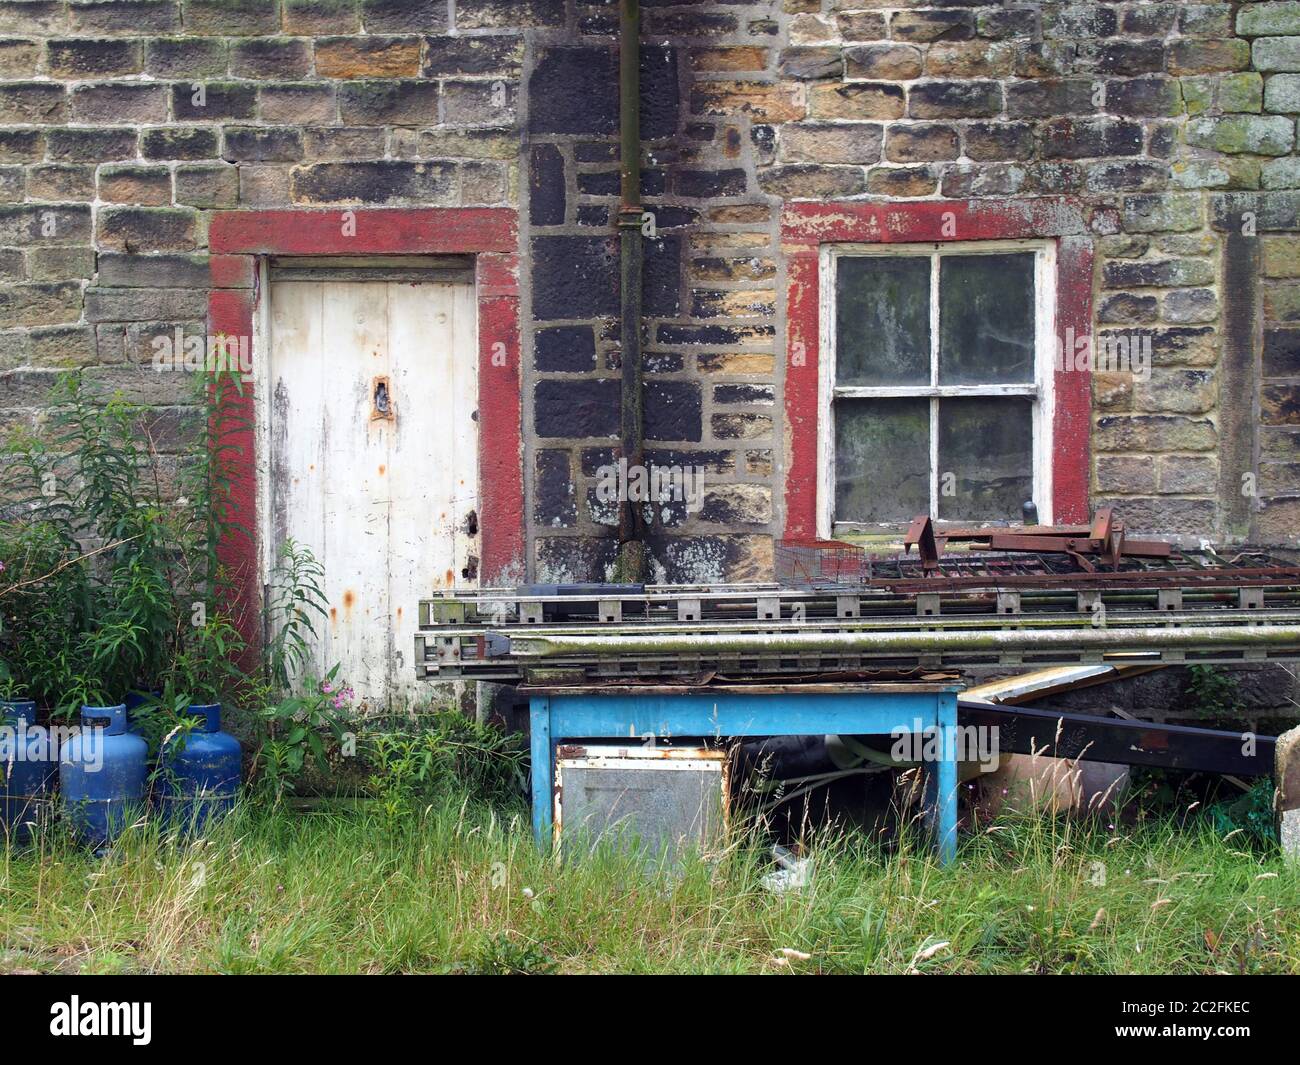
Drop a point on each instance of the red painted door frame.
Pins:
(237, 238)
(805, 227)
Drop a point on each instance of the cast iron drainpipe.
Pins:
(631, 518)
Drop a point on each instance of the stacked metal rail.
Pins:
(900, 614)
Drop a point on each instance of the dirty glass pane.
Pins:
(986, 319)
(882, 459)
(882, 321)
(985, 458)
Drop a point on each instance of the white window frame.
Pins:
(1039, 390)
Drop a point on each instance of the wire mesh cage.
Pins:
(819, 564)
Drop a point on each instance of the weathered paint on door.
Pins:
(373, 460)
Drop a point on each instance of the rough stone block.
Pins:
(368, 57)
(1276, 53)
(377, 181)
(838, 142)
(1256, 134)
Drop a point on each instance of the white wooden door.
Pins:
(373, 462)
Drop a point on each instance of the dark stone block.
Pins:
(661, 283)
(743, 393)
(92, 145)
(996, 141)
(402, 102)
(706, 184)
(812, 64)
(591, 459)
(595, 152)
(471, 55)
(231, 17)
(119, 102)
(1164, 140)
(655, 361)
(668, 333)
(1122, 57)
(270, 57)
(398, 16)
(33, 102)
(554, 502)
(1144, 97)
(147, 229)
(955, 99)
(1090, 138)
(144, 304)
(109, 16)
(153, 271)
(590, 214)
(712, 461)
(660, 93)
(28, 145)
(81, 58)
(574, 277)
(1135, 176)
(925, 26)
(1281, 353)
(1271, 210)
(667, 217)
(42, 224)
(577, 408)
(495, 14)
(575, 90)
(565, 349)
(211, 100)
(599, 183)
(575, 558)
(185, 57)
(179, 142)
(378, 181)
(265, 144)
(690, 23)
(1051, 97)
(546, 192)
(673, 411)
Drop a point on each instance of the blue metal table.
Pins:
(648, 714)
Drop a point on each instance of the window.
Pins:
(937, 389)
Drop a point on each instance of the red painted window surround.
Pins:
(805, 227)
(237, 238)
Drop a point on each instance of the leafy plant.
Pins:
(297, 601)
(506, 955)
(442, 752)
(111, 582)
(298, 726)
(1251, 813)
(1211, 693)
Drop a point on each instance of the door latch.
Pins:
(381, 400)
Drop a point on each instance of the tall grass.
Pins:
(455, 887)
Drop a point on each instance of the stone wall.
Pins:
(1173, 124)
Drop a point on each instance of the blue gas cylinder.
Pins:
(102, 774)
(200, 772)
(29, 768)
